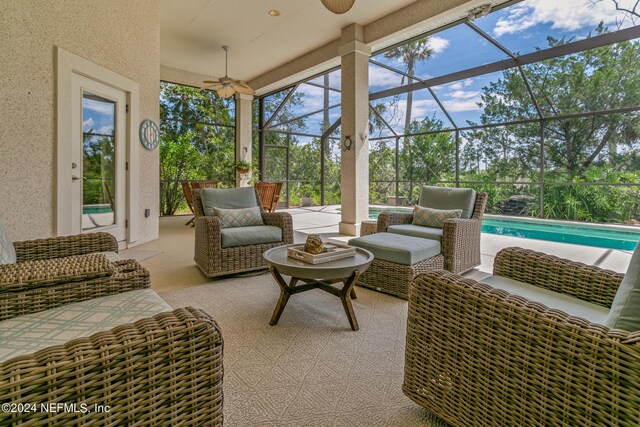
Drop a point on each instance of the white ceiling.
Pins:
(192, 32)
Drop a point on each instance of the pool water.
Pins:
(96, 209)
(600, 236)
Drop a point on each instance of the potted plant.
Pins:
(243, 167)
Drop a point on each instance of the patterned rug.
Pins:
(310, 369)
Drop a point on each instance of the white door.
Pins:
(98, 158)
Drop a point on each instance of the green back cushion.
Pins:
(7, 251)
(227, 198)
(244, 217)
(444, 198)
(625, 309)
(435, 218)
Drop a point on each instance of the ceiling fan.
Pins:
(338, 6)
(225, 86)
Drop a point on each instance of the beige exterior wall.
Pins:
(121, 35)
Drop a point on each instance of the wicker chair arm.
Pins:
(19, 299)
(586, 282)
(461, 244)
(282, 220)
(44, 272)
(175, 357)
(64, 246)
(459, 330)
(386, 219)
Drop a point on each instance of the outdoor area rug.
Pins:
(310, 369)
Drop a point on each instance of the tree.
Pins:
(409, 54)
(197, 141)
(576, 149)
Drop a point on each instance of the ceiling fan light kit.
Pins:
(225, 86)
(338, 6)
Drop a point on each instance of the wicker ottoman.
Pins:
(398, 259)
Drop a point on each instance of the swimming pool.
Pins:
(597, 235)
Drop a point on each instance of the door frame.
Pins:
(68, 64)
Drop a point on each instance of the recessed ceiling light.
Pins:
(274, 12)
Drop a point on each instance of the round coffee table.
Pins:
(317, 276)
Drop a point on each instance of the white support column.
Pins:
(243, 135)
(355, 118)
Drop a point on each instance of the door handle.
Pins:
(75, 178)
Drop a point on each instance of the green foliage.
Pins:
(98, 168)
(197, 141)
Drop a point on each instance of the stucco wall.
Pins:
(121, 35)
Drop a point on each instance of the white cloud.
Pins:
(105, 130)
(437, 44)
(456, 86)
(106, 108)
(567, 15)
(87, 125)
(381, 77)
(462, 94)
(453, 105)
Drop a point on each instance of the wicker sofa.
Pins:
(212, 253)
(77, 348)
(479, 355)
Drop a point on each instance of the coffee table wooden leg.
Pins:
(284, 296)
(345, 297)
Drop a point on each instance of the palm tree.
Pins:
(409, 54)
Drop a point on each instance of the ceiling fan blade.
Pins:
(212, 86)
(243, 88)
(211, 81)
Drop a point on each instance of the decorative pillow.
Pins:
(435, 218)
(7, 251)
(231, 218)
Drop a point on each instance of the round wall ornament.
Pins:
(149, 134)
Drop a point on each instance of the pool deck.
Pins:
(324, 220)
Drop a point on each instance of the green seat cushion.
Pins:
(227, 198)
(416, 231)
(7, 251)
(573, 306)
(398, 248)
(625, 309)
(32, 332)
(445, 198)
(254, 235)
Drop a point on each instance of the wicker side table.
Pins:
(368, 227)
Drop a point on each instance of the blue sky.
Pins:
(97, 116)
(521, 28)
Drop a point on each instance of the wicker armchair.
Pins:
(161, 370)
(479, 356)
(460, 237)
(216, 260)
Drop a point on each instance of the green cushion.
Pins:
(7, 251)
(245, 217)
(573, 306)
(227, 198)
(397, 248)
(416, 231)
(445, 198)
(32, 332)
(625, 309)
(428, 217)
(245, 236)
